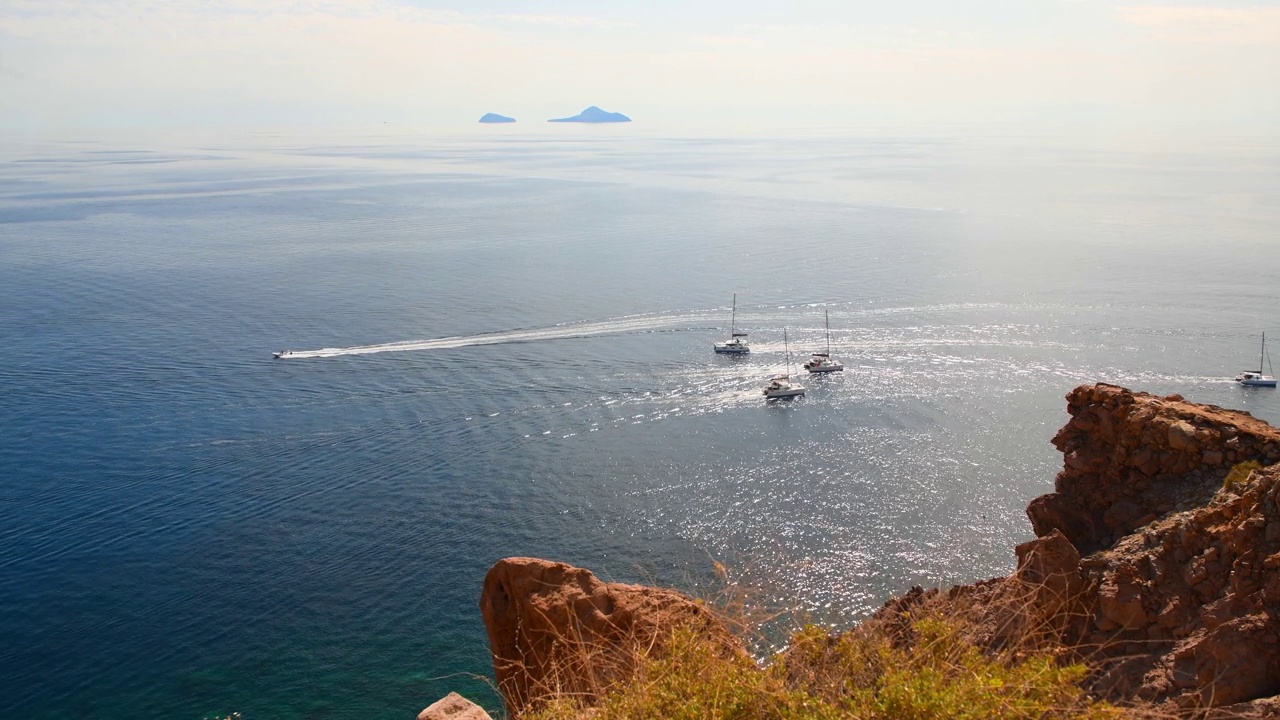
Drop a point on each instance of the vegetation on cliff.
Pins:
(864, 675)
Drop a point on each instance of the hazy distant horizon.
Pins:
(1200, 68)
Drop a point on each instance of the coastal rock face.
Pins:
(557, 628)
(1132, 457)
(1164, 581)
(454, 707)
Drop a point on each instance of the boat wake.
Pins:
(615, 326)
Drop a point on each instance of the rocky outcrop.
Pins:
(1132, 457)
(1146, 567)
(556, 629)
(453, 707)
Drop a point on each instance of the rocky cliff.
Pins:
(1131, 457)
(1146, 567)
(557, 628)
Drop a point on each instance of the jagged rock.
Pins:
(1127, 455)
(555, 628)
(453, 707)
(1236, 662)
(1052, 564)
(1177, 607)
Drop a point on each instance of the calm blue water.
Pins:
(188, 527)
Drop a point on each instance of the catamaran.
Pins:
(735, 345)
(781, 386)
(822, 362)
(1257, 379)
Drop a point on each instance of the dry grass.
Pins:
(964, 658)
(864, 675)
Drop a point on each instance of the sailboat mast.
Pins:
(786, 346)
(733, 316)
(827, 314)
(1262, 356)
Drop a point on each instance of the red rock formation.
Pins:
(555, 628)
(1178, 601)
(1132, 457)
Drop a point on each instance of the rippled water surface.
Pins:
(503, 347)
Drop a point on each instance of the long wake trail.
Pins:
(615, 326)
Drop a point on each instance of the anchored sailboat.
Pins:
(1250, 378)
(781, 385)
(735, 345)
(822, 362)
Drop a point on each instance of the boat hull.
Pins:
(727, 349)
(824, 368)
(787, 393)
(1255, 382)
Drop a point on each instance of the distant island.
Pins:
(496, 118)
(594, 114)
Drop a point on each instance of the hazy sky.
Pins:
(80, 63)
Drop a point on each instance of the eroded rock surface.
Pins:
(554, 628)
(1132, 457)
(453, 707)
(1146, 566)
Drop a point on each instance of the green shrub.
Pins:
(1239, 474)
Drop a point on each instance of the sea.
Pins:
(502, 344)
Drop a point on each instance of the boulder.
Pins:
(556, 629)
(454, 707)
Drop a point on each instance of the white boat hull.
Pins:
(825, 366)
(782, 387)
(729, 348)
(1256, 378)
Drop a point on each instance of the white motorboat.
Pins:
(282, 354)
(1250, 378)
(780, 386)
(736, 344)
(822, 362)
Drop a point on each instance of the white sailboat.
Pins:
(781, 385)
(736, 344)
(1249, 378)
(822, 362)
